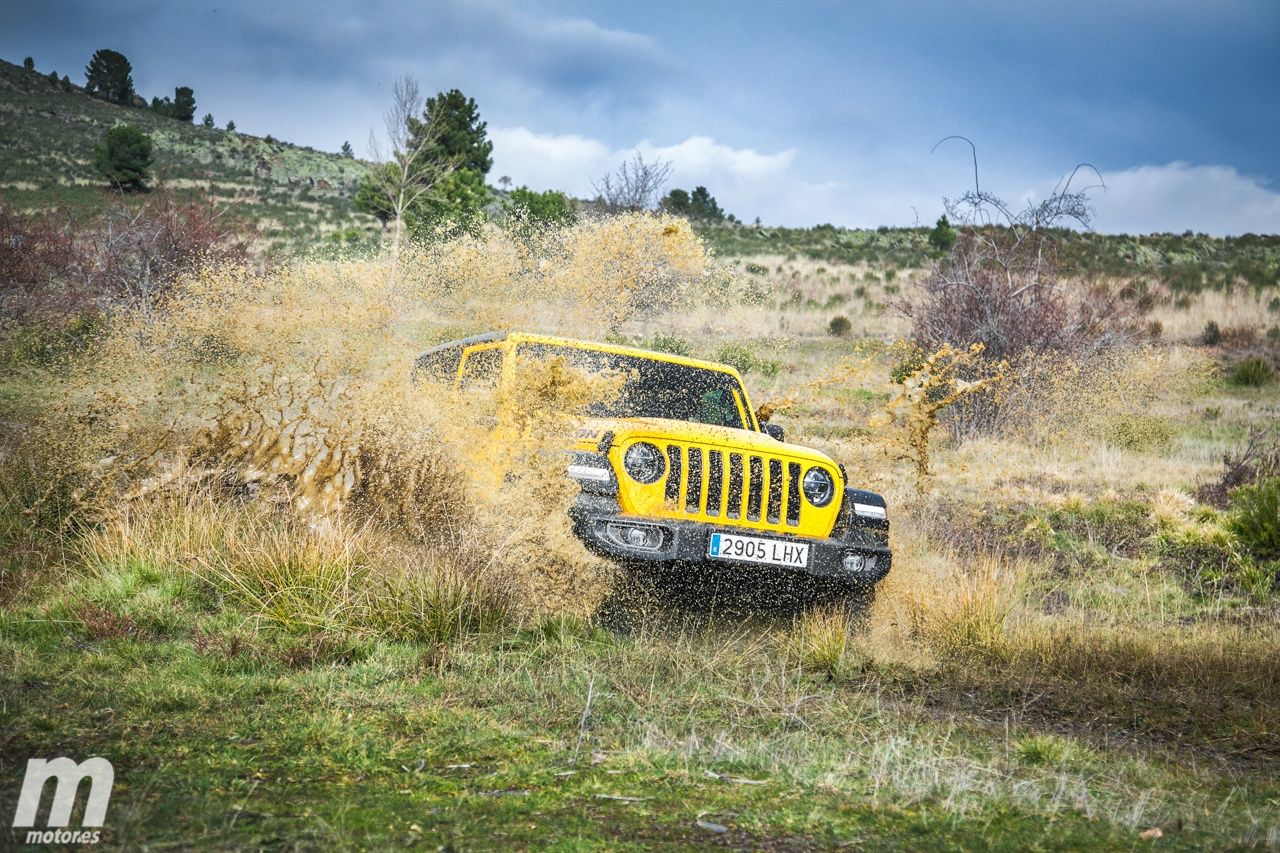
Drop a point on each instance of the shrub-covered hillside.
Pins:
(48, 135)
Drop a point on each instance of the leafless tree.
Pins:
(1001, 284)
(134, 255)
(64, 262)
(406, 170)
(636, 185)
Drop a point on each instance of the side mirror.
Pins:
(774, 431)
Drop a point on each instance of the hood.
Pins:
(628, 430)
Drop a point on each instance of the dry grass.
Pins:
(1237, 309)
(334, 579)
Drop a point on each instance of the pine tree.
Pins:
(459, 134)
(184, 103)
(207, 121)
(29, 64)
(700, 205)
(677, 202)
(703, 206)
(943, 236)
(109, 75)
(125, 157)
(347, 151)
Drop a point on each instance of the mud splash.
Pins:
(293, 387)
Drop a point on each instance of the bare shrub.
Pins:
(35, 253)
(134, 255)
(636, 185)
(1001, 286)
(63, 262)
(1257, 459)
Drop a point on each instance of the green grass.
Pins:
(229, 727)
(222, 735)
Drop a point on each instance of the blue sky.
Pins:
(796, 113)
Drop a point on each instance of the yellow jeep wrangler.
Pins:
(677, 472)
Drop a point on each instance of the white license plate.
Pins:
(753, 549)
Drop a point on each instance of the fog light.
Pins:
(871, 564)
(853, 562)
(640, 536)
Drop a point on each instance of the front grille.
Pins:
(755, 485)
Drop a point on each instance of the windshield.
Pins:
(655, 389)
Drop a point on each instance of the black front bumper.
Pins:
(687, 543)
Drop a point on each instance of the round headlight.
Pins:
(644, 462)
(818, 486)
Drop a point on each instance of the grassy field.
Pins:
(1076, 649)
(227, 735)
(1185, 263)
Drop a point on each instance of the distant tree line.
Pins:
(699, 206)
(637, 185)
(63, 82)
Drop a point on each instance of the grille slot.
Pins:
(674, 457)
(693, 491)
(775, 492)
(715, 481)
(734, 509)
(793, 493)
(755, 489)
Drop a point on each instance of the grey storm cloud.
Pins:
(332, 41)
(335, 41)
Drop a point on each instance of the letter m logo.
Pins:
(69, 774)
